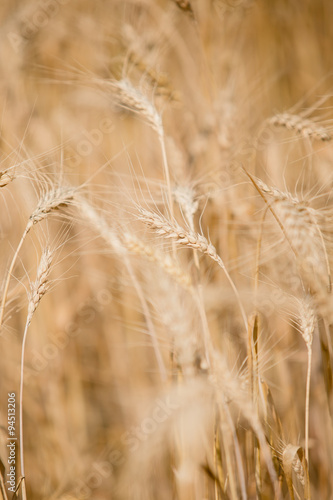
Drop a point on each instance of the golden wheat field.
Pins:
(166, 235)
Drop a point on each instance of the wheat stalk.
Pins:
(107, 233)
(230, 389)
(37, 291)
(128, 242)
(299, 224)
(306, 323)
(185, 196)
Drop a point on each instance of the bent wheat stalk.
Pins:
(296, 220)
(38, 289)
(106, 232)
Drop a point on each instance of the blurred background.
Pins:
(99, 422)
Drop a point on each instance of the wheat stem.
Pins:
(307, 325)
(109, 236)
(167, 179)
(238, 455)
(38, 290)
(21, 407)
(277, 218)
(307, 403)
(9, 273)
(149, 321)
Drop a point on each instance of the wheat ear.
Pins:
(132, 99)
(37, 291)
(189, 239)
(303, 126)
(298, 223)
(165, 262)
(52, 200)
(293, 460)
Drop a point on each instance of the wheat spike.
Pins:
(306, 320)
(130, 98)
(298, 469)
(303, 126)
(301, 227)
(136, 246)
(51, 200)
(182, 236)
(189, 239)
(276, 193)
(39, 287)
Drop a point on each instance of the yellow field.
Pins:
(166, 241)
